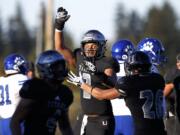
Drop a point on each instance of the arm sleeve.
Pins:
(122, 86)
(170, 75)
(67, 96)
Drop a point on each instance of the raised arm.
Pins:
(62, 49)
(61, 17)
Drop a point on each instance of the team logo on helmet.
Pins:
(15, 63)
(148, 46)
(124, 57)
(18, 61)
(122, 49)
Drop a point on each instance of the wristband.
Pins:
(58, 30)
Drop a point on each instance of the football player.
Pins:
(45, 100)
(123, 120)
(171, 92)
(143, 93)
(177, 88)
(10, 84)
(176, 84)
(96, 69)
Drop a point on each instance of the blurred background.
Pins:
(26, 27)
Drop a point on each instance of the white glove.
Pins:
(74, 79)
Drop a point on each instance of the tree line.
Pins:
(161, 23)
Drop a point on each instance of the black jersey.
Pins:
(170, 100)
(177, 89)
(171, 75)
(49, 103)
(144, 97)
(93, 74)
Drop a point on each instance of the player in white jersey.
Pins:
(10, 84)
(123, 119)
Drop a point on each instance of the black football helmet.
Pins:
(94, 36)
(138, 61)
(51, 66)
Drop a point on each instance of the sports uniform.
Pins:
(176, 83)
(45, 100)
(169, 78)
(145, 100)
(97, 111)
(98, 116)
(143, 93)
(9, 90)
(95, 69)
(154, 48)
(177, 88)
(172, 102)
(123, 120)
(49, 106)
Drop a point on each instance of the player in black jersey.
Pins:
(176, 83)
(177, 88)
(45, 100)
(143, 93)
(171, 93)
(95, 69)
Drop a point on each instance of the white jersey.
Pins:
(119, 105)
(9, 93)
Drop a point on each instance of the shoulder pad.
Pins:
(35, 89)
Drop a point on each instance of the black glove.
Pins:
(61, 17)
